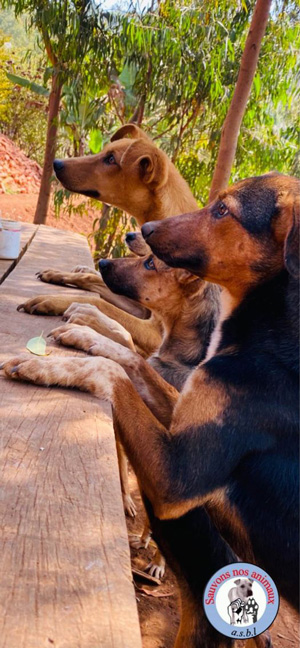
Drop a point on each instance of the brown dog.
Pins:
(138, 177)
(186, 307)
(132, 174)
(231, 441)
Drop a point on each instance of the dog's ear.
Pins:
(237, 582)
(250, 580)
(151, 163)
(129, 129)
(154, 168)
(287, 224)
(292, 244)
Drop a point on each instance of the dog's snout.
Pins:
(148, 229)
(131, 236)
(104, 264)
(58, 165)
(249, 592)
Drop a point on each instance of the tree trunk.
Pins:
(232, 123)
(52, 126)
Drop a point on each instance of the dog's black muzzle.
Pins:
(115, 279)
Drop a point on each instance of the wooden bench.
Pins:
(64, 561)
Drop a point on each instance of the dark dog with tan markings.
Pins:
(187, 310)
(230, 447)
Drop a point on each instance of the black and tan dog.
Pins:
(230, 447)
(187, 309)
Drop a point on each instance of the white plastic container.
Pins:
(10, 238)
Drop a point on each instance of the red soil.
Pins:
(22, 208)
(19, 187)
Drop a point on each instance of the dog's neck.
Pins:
(228, 303)
(187, 328)
(174, 198)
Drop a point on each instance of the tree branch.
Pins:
(232, 123)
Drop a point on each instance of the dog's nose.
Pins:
(58, 165)
(148, 229)
(103, 264)
(130, 237)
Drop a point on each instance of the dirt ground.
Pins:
(159, 616)
(19, 186)
(22, 207)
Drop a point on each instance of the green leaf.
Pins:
(257, 84)
(25, 83)
(127, 76)
(38, 346)
(95, 140)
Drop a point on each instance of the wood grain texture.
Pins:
(64, 560)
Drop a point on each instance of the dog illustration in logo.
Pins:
(238, 597)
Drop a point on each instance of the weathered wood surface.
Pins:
(27, 232)
(64, 559)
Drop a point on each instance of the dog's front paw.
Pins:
(94, 375)
(24, 367)
(81, 311)
(80, 337)
(51, 276)
(43, 305)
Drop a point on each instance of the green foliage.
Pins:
(80, 113)
(5, 86)
(173, 68)
(187, 59)
(95, 140)
(23, 114)
(109, 231)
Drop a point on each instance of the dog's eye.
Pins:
(221, 210)
(149, 264)
(110, 159)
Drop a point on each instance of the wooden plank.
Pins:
(64, 560)
(7, 265)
